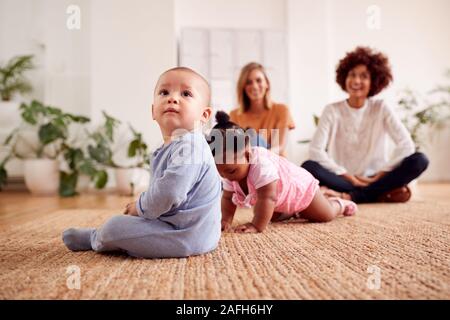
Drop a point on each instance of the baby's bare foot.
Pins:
(348, 207)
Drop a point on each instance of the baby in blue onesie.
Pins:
(179, 215)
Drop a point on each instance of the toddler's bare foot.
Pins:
(348, 207)
(278, 216)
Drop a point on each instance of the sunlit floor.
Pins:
(16, 206)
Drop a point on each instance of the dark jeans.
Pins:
(410, 168)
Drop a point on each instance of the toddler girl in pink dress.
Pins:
(256, 177)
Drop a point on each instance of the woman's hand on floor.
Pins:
(246, 228)
(130, 209)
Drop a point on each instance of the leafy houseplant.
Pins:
(126, 178)
(419, 114)
(79, 163)
(105, 145)
(45, 134)
(41, 135)
(12, 78)
(106, 149)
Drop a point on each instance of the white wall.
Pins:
(67, 55)
(113, 62)
(132, 43)
(61, 55)
(310, 68)
(252, 14)
(234, 15)
(20, 28)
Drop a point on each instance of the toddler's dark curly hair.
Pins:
(233, 137)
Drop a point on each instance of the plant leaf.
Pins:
(79, 119)
(74, 157)
(101, 178)
(132, 147)
(49, 133)
(316, 120)
(100, 153)
(28, 114)
(110, 124)
(87, 167)
(3, 176)
(68, 184)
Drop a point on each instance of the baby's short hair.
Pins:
(198, 75)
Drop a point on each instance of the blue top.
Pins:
(185, 193)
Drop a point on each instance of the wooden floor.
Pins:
(19, 206)
(434, 191)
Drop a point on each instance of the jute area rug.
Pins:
(387, 251)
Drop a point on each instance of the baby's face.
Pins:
(237, 170)
(233, 172)
(180, 101)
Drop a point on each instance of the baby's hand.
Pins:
(226, 226)
(246, 228)
(130, 209)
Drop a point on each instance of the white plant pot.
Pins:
(131, 181)
(83, 183)
(9, 115)
(42, 176)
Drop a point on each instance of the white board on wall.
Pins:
(194, 51)
(219, 55)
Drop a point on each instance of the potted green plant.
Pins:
(39, 140)
(134, 178)
(12, 78)
(79, 169)
(420, 115)
(122, 150)
(13, 84)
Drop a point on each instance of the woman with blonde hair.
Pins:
(257, 111)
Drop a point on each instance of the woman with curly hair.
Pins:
(256, 110)
(347, 153)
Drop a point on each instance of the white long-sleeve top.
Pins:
(354, 141)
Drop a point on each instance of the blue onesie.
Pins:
(179, 214)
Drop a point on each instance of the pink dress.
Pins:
(296, 187)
